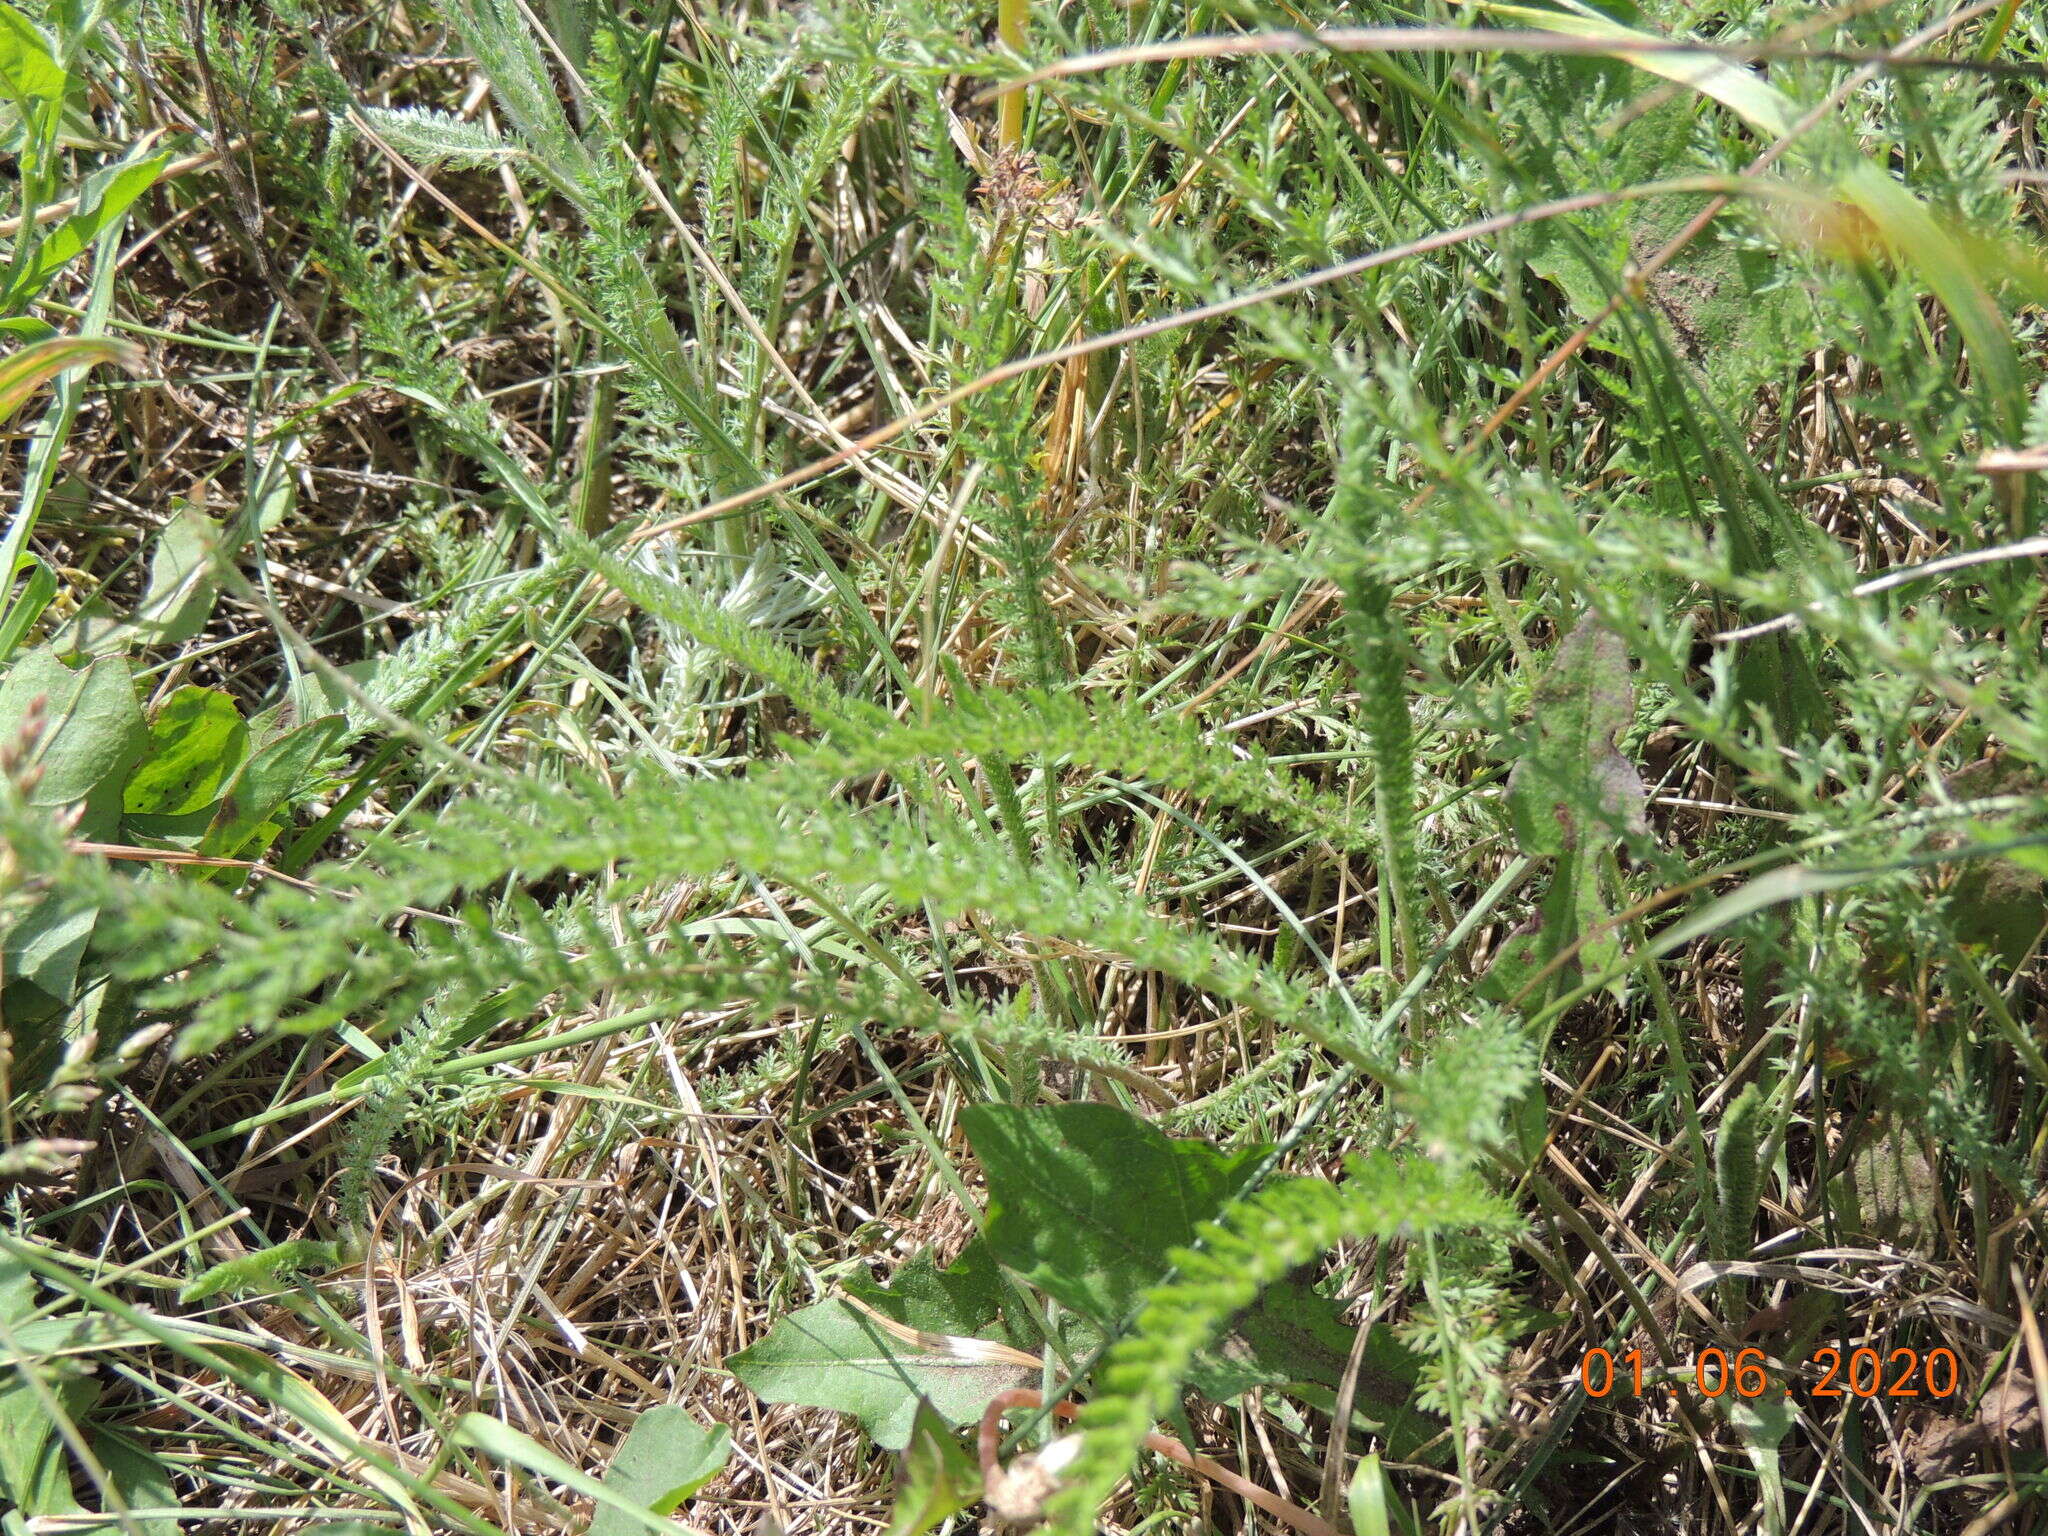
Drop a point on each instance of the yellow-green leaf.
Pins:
(25, 371)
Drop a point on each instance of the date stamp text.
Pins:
(1828, 1372)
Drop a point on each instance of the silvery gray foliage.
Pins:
(430, 138)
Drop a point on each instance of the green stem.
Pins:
(1994, 36)
(1377, 657)
(1011, 16)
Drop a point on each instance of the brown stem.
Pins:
(989, 1442)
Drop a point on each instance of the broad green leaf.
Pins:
(1087, 1200)
(1293, 1337)
(74, 1334)
(938, 1478)
(1727, 312)
(1569, 779)
(1521, 956)
(29, 71)
(196, 742)
(1890, 1190)
(1259, 1241)
(966, 1299)
(665, 1457)
(42, 949)
(17, 1291)
(175, 605)
(313, 694)
(275, 492)
(1578, 910)
(832, 1356)
(105, 197)
(2000, 904)
(27, 369)
(266, 784)
(1367, 1498)
(481, 1432)
(143, 1482)
(92, 731)
(1570, 795)
(1763, 1422)
(183, 581)
(1727, 308)
(963, 1298)
(35, 1469)
(25, 1430)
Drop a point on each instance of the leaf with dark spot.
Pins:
(1569, 772)
(1570, 794)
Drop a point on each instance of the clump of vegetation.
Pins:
(1111, 766)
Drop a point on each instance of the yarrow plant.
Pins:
(748, 746)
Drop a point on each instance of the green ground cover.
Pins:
(1313, 734)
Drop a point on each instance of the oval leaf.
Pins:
(1087, 1200)
(665, 1457)
(196, 742)
(830, 1356)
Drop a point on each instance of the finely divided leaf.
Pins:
(433, 138)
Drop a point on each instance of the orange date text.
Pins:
(1863, 1372)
